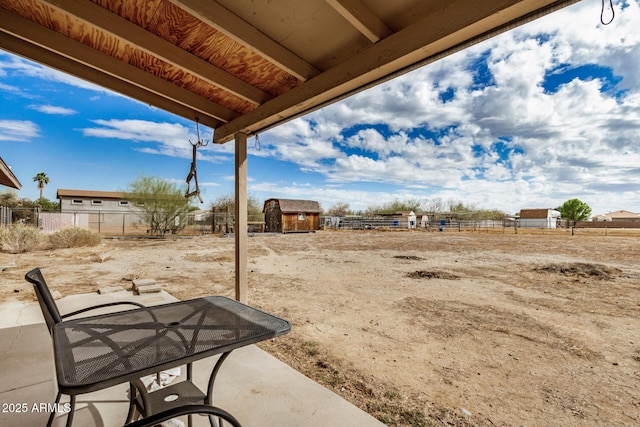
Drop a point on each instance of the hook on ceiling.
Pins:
(613, 13)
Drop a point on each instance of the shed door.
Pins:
(273, 220)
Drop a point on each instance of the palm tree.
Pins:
(42, 179)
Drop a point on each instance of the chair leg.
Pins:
(53, 413)
(72, 400)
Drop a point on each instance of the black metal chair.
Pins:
(211, 411)
(52, 316)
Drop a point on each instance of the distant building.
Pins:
(108, 212)
(89, 200)
(538, 218)
(291, 216)
(618, 216)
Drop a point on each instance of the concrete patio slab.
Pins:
(254, 386)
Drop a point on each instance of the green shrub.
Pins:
(73, 237)
(17, 238)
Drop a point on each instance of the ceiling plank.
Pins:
(456, 23)
(362, 17)
(76, 51)
(146, 41)
(244, 33)
(51, 59)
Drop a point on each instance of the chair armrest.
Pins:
(185, 410)
(109, 304)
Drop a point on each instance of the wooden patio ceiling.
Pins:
(243, 66)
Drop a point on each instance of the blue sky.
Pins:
(544, 113)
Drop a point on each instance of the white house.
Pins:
(538, 218)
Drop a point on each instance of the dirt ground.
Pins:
(417, 328)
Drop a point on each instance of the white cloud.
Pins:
(168, 139)
(52, 109)
(18, 130)
(438, 128)
(13, 65)
(12, 89)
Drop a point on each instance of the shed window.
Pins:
(96, 202)
(123, 203)
(76, 202)
(301, 217)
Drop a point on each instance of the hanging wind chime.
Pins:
(193, 174)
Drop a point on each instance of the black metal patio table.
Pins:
(102, 351)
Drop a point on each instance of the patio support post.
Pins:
(240, 228)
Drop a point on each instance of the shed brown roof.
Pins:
(534, 213)
(297, 206)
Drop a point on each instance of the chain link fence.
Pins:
(17, 215)
(110, 223)
(6, 216)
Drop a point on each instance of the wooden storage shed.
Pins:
(291, 216)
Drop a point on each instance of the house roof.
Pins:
(296, 206)
(89, 194)
(243, 65)
(7, 177)
(620, 215)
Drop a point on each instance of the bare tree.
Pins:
(163, 203)
(434, 205)
(338, 209)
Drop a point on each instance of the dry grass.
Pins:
(18, 239)
(74, 237)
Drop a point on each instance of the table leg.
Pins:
(132, 405)
(212, 379)
(190, 378)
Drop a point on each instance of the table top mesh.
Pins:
(100, 351)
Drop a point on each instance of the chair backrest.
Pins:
(47, 303)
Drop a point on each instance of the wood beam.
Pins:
(76, 51)
(454, 25)
(362, 17)
(7, 177)
(244, 33)
(61, 63)
(240, 227)
(99, 17)
(55, 42)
